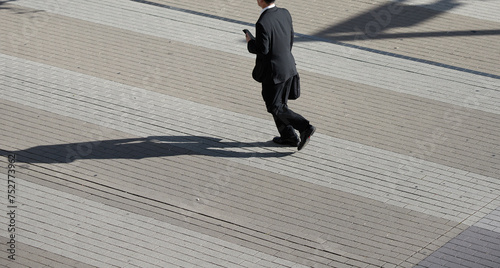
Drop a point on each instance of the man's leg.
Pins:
(272, 95)
(283, 113)
(276, 98)
(286, 131)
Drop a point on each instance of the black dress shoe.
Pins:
(293, 141)
(305, 136)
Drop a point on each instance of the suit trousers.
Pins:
(276, 97)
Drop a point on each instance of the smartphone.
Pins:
(246, 31)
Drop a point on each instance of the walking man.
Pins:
(275, 69)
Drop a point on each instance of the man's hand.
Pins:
(248, 37)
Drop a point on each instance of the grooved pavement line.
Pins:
(99, 234)
(409, 77)
(378, 174)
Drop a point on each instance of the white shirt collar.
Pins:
(268, 7)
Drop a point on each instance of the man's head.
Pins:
(264, 3)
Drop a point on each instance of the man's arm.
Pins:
(292, 33)
(251, 44)
(259, 45)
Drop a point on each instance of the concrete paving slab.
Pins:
(140, 144)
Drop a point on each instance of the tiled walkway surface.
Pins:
(136, 136)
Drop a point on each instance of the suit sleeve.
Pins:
(251, 46)
(292, 33)
(261, 44)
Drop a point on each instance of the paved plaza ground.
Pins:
(133, 135)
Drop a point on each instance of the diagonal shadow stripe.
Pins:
(474, 247)
(311, 38)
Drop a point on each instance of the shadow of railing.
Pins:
(394, 21)
(374, 23)
(2, 4)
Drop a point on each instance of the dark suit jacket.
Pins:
(273, 45)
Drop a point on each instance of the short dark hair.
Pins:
(269, 1)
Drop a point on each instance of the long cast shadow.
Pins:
(383, 21)
(2, 4)
(139, 148)
(16, 9)
(373, 23)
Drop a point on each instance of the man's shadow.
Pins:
(150, 147)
